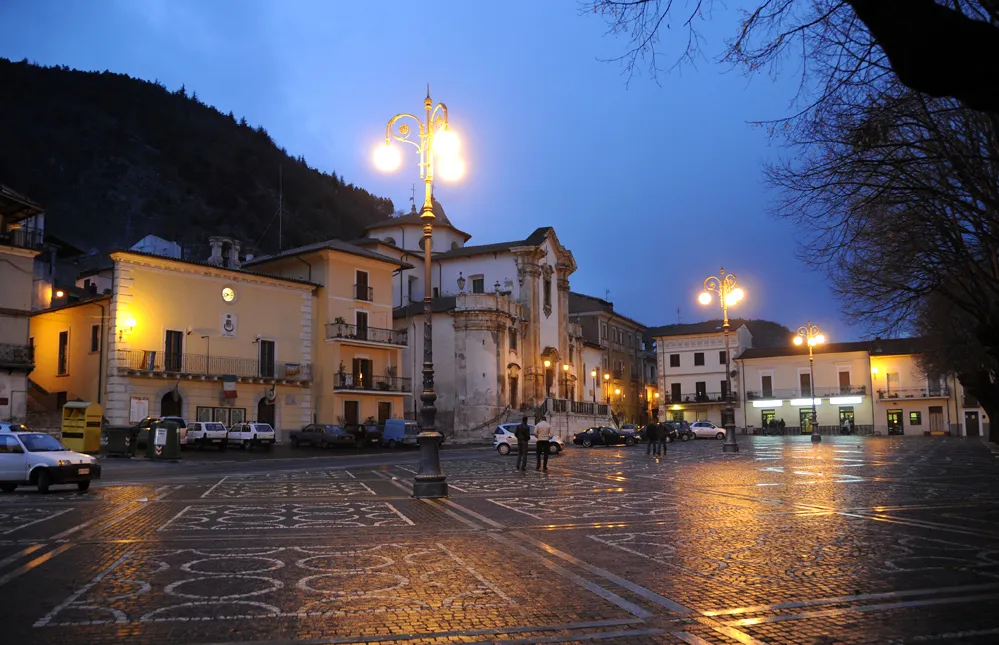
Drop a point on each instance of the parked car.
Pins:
(322, 435)
(505, 440)
(142, 438)
(207, 433)
(36, 459)
(367, 434)
(683, 431)
(602, 436)
(636, 431)
(249, 435)
(707, 430)
(400, 432)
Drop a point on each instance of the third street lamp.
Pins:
(729, 293)
(811, 335)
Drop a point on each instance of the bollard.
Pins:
(431, 481)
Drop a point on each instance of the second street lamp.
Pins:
(811, 335)
(437, 147)
(593, 375)
(729, 293)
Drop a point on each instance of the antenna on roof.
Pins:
(280, 208)
(679, 320)
(607, 295)
(412, 198)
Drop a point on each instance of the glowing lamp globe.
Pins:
(820, 339)
(738, 294)
(387, 158)
(446, 143)
(704, 298)
(798, 340)
(451, 168)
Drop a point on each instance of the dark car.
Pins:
(322, 435)
(680, 430)
(603, 436)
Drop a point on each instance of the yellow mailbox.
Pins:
(81, 426)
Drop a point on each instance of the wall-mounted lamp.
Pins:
(60, 293)
(461, 282)
(565, 367)
(127, 326)
(593, 373)
(257, 339)
(606, 376)
(497, 286)
(547, 363)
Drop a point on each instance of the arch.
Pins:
(172, 404)
(266, 412)
(390, 240)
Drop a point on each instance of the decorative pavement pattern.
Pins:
(852, 541)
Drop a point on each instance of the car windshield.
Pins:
(36, 442)
(333, 428)
(214, 427)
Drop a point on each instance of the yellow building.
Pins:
(357, 353)
(20, 240)
(198, 340)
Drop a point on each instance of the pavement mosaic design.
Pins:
(852, 541)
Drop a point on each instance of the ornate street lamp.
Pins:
(593, 375)
(729, 293)
(565, 378)
(437, 147)
(811, 335)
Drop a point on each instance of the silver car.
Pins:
(707, 430)
(505, 440)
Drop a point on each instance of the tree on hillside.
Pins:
(943, 48)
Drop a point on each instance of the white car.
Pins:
(707, 430)
(207, 433)
(505, 440)
(249, 435)
(36, 459)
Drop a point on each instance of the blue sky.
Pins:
(653, 187)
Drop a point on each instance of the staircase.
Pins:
(44, 414)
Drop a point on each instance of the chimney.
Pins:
(216, 257)
(234, 255)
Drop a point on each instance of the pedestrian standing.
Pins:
(651, 437)
(543, 430)
(523, 434)
(664, 429)
(781, 425)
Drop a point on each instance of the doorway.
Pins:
(971, 424)
(895, 424)
(384, 412)
(266, 412)
(766, 418)
(173, 360)
(514, 390)
(351, 413)
(170, 406)
(936, 418)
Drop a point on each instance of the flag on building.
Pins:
(229, 386)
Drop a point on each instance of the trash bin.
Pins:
(118, 441)
(164, 441)
(81, 426)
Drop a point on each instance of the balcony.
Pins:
(371, 383)
(492, 302)
(363, 292)
(26, 238)
(767, 395)
(201, 366)
(841, 390)
(939, 392)
(365, 334)
(17, 357)
(701, 398)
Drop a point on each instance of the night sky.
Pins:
(652, 186)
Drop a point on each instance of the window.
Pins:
(95, 338)
(724, 390)
(674, 360)
(571, 352)
(893, 383)
(805, 382)
(674, 392)
(173, 359)
(699, 358)
(915, 418)
(721, 357)
(267, 358)
(62, 368)
(548, 292)
(436, 294)
(513, 338)
(361, 289)
(767, 385)
(8, 444)
(603, 330)
(478, 284)
(844, 382)
(701, 390)
(362, 377)
(361, 324)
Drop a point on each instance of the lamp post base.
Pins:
(730, 442)
(816, 437)
(431, 481)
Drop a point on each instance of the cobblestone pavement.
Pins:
(854, 540)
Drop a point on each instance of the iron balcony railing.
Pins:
(363, 292)
(701, 397)
(915, 393)
(841, 390)
(374, 383)
(765, 395)
(578, 407)
(13, 355)
(368, 334)
(159, 362)
(27, 238)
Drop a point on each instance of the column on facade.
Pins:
(529, 275)
(480, 366)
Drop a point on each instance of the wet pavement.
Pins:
(854, 540)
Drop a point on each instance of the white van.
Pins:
(207, 433)
(249, 435)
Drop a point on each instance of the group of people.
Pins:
(657, 436)
(543, 430)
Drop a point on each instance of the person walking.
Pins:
(652, 437)
(663, 437)
(543, 430)
(523, 434)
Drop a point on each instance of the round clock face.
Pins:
(228, 294)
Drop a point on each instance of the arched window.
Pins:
(390, 240)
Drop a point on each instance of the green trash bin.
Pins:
(118, 441)
(164, 441)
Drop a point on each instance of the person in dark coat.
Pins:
(523, 434)
(664, 428)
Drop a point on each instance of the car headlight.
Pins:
(63, 462)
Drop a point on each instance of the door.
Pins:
(766, 417)
(266, 412)
(384, 412)
(171, 404)
(936, 418)
(895, 424)
(674, 393)
(351, 413)
(805, 420)
(514, 388)
(266, 358)
(971, 424)
(173, 357)
(361, 318)
(362, 374)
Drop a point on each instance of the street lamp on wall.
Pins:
(461, 282)
(729, 293)
(811, 335)
(593, 375)
(565, 379)
(437, 146)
